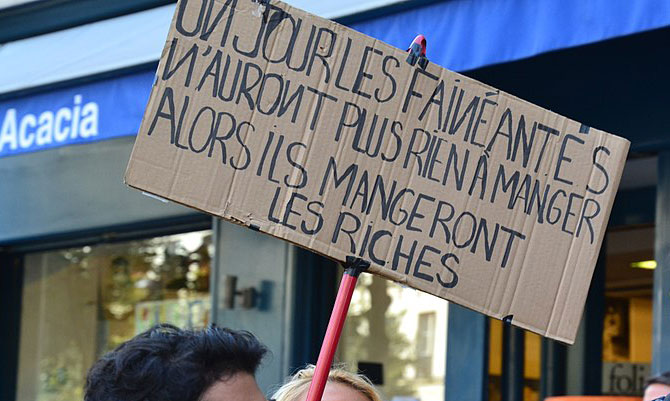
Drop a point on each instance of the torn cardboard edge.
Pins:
(238, 127)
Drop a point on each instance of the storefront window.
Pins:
(403, 332)
(532, 354)
(79, 303)
(627, 328)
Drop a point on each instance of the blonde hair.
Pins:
(298, 384)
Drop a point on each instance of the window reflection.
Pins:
(627, 321)
(402, 329)
(81, 302)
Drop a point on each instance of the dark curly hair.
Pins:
(663, 378)
(166, 363)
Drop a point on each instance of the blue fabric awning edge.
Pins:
(468, 34)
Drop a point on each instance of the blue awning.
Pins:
(467, 34)
(462, 34)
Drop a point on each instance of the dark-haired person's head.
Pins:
(657, 386)
(166, 363)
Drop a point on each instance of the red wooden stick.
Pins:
(337, 318)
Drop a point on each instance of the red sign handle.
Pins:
(334, 331)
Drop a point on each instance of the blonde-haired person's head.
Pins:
(339, 381)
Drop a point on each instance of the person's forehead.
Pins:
(656, 390)
(239, 387)
(340, 392)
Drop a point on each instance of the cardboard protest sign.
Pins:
(314, 133)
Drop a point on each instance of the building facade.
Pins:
(87, 262)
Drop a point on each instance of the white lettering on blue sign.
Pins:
(80, 120)
(101, 110)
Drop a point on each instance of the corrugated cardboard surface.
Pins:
(316, 134)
